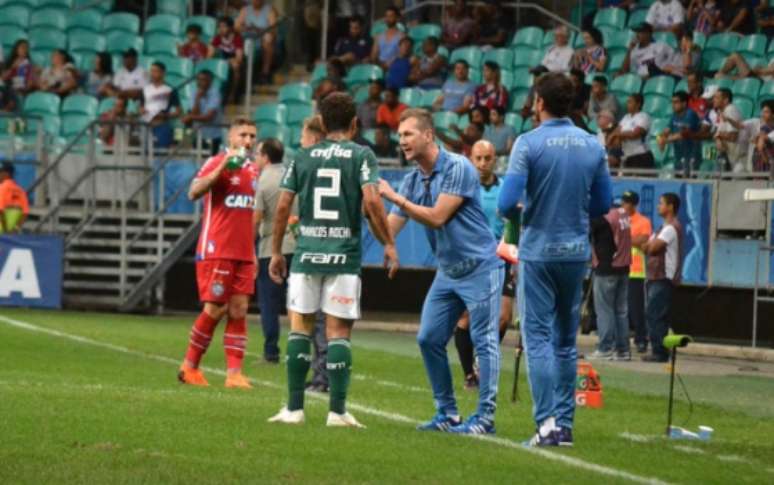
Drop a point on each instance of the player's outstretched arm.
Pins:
(278, 270)
(202, 185)
(374, 209)
(434, 217)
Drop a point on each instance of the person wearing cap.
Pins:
(666, 16)
(14, 206)
(559, 55)
(641, 230)
(491, 94)
(130, 79)
(644, 53)
(458, 92)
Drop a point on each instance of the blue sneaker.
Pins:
(563, 436)
(475, 425)
(539, 441)
(440, 422)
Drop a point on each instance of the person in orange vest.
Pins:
(14, 205)
(641, 230)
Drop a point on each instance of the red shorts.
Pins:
(218, 279)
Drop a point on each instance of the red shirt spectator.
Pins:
(491, 94)
(390, 110)
(194, 48)
(227, 46)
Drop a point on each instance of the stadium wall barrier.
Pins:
(31, 271)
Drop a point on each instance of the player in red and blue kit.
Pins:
(225, 256)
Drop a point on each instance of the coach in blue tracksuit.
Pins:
(443, 194)
(564, 172)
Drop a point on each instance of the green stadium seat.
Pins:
(90, 19)
(658, 125)
(528, 37)
(429, 96)
(746, 88)
(660, 86)
(207, 24)
(159, 44)
(54, 3)
(80, 104)
(527, 58)
(174, 80)
(178, 8)
(120, 41)
(106, 104)
(86, 42)
(766, 91)
(295, 93)
(219, 67)
(518, 99)
(590, 77)
(411, 97)
(474, 75)
(422, 31)
(273, 113)
(49, 17)
(506, 78)
(164, 23)
(41, 103)
(363, 74)
(615, 62)
(503, 57)
(9, 34)
(52, 125)
(280, 132)
(627, 84)
(548, 39)
(610, 17)
(471, 55)
(370, 136)
(319, 73)
(179, 66)
(699, 39)
(681, 86)
(754, 44)
(725, 42)
(41, 57)
(618, 40)
(667, 38)
(527, 126)
(103, 6)
(379, 26)
(636, 18)
(18, 15)
(712, 61)
(74, 124)
(297, 113)
(125, 21)
(745, 106)
(514, 120)
(522, 79)
(443, 120)
(657, 106)
(661, 157)
(361, 94)
(47, 38)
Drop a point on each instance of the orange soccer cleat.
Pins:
(238, 380)
(190, 375)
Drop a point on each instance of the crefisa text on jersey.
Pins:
(331, 151)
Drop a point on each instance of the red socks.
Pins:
(201, 335)
(234, 343)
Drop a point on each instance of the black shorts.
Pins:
(509, 282)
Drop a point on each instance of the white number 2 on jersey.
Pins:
(333, 191)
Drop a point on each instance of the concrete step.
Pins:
(76, 271)
(92, 256)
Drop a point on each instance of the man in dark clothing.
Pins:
(611, 257)
(355, 47)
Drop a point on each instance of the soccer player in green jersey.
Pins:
(335, 181)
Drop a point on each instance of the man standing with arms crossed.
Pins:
(335, 181)
(563, 171)
(442, 193)
(225, 256)
(641, 229)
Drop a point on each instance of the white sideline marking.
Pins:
(689, 449)
(544, 453)
(637, 438)
(733, 459)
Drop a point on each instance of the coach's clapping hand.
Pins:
(278, 269)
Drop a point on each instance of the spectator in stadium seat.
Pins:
(160, 104)
(498, 133)
(19, 71)
(397, 75)
(682, 133)
(9, 102)
(580, 103)
(601, 99)
(366, 112)
(356, 46)
(736, 61)
(458, 26)
(458, 92)
(387, 44)
(116, 113)
(645, 54)
(592, 57)
(194, 48)
(130, 79)
(259, 19)
(765, 19)
(390, 110)
(632, 134)
(428, 71)
(207, 108)
(763, 138)
(14, 206)
(384, 146)
(529, 101)
(98, 80)
(606, 122)
(493, 25)
(491, 93)
(464, 140)
(666, 15)
(559, 55)
(695, 90)
(703, 15)
(737, 16)
(60, 77)
(684, 60)
(229, 45)
(728, 124)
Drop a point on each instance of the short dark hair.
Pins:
(727, 94)
(769, 103)
(160, 65)
(557, 92)
(637, 97)
(358, 19)
(500, 110)
(273, 149)
(681, 95)
(578, 74)
(595, 34)
(195, 28)
(337, 111)
(394, 9)
(242, 122)
(697, 74)
(672, 199)
(228, 21)
(207, 73)
(433, 40)
(461, 61)
(600, 79)
(492, 65)
(393, 90)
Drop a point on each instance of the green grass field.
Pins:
(89, 397)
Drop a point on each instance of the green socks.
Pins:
(299, 360)
(338, 366)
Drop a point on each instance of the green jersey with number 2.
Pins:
(328, 179)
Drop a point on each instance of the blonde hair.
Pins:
(314, 124)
